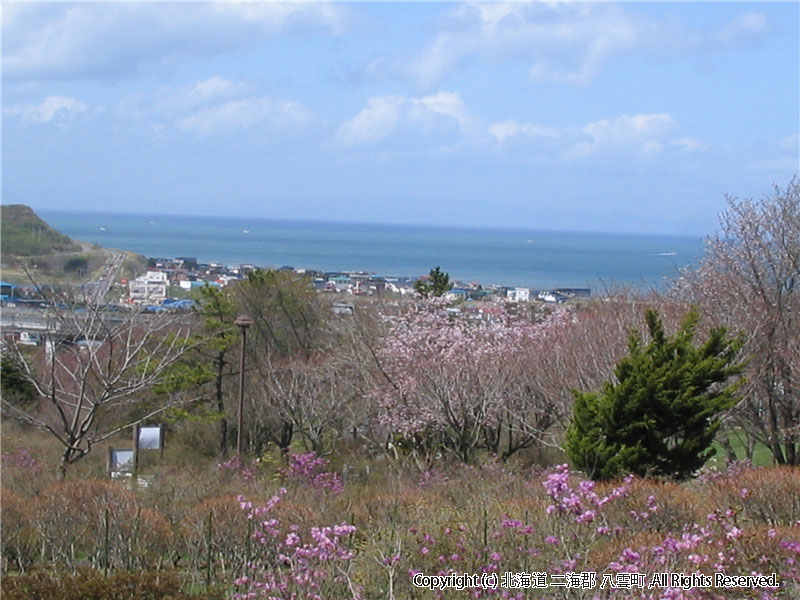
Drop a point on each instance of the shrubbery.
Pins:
(91, 585)
(292, 532)
(433, 415)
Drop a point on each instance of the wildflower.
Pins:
(734, 533)
(586, 517)
(630, 555)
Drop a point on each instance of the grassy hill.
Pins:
(25, 234)
(32, 249)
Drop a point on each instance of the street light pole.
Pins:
(243, 322)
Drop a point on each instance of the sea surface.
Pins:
(514, 257)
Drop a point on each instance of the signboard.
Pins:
(125, 463)
(120, 461)
(150, 437)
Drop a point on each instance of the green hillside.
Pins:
(25, 234)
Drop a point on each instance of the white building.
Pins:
(552, 296)
(150, 288)
(519, 294)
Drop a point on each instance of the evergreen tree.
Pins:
(218, 312)
(438, 284)
(660, 416)
(14, 386)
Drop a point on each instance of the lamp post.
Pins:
(243, 322)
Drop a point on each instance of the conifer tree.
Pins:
(660, 416)
(438, 284)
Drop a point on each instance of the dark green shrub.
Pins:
(77, 264)
(659, 418)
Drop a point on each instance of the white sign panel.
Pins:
(122, 460)
(150, 437)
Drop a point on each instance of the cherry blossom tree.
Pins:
(448, 380)
(749, 281)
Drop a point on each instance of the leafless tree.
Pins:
(302, 379)
(310, 396)
(749, 281)
(94, 373)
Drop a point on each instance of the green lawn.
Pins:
(762, 457)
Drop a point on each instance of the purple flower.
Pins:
(308, 469)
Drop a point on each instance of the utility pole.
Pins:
(243, 322)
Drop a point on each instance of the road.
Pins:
(78, 322)
(97, 289)
(29, 319)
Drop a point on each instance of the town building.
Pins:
(150, 288)
(519, 294)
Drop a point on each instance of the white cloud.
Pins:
(791, 142)
(243, 114)
(742, 29)
(169, 101)
(375, 122)
(52, 107)
(689, 144)
(505, 130)
(781, 157)
(112, 40)
(213, 105)
(630, 129)
(441, 116)
(651, 148)
(788, 164)
(642, 135)
(442, 120)
(511, 129)
(215, 87)
(275, 17)
(565, 42)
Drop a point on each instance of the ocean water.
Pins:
(515, 257)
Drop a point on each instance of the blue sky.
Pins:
(636, 116)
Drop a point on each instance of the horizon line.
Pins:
(299, 220)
